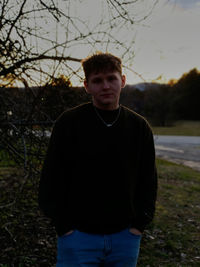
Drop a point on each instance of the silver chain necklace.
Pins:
(105, 123)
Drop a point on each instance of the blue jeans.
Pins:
(80, 249)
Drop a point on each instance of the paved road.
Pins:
(181, 149)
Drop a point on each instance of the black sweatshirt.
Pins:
(99, 179)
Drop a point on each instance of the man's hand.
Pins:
(135, 231)
(69, 233)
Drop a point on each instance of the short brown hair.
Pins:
(99, 62)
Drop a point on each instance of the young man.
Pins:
(99, 183)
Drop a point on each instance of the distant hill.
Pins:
(142, 86)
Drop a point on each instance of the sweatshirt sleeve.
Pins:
(146, 187)
(54, 181)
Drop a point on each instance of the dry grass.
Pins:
(187, 128)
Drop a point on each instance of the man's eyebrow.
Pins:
(97, 78)
(111, 75)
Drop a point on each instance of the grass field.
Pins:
(173, 238)
(190, 128)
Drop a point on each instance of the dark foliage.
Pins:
(157, 104)
(186, 96)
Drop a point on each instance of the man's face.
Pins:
(105, 88)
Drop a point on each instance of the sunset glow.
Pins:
(168, 45)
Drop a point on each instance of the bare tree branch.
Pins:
(48, 30)
(33, 59)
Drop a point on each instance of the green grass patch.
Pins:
(172, 239)
(186, 128)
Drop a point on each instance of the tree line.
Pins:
(160, 103)
(163, 104)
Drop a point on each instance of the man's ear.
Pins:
(123, 81)
(86, 87)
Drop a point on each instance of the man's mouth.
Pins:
(106, 95)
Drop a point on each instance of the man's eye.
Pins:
(111, 78)
(96, 80)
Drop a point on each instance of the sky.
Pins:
(168, 45)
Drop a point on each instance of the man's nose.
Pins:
(106, 84)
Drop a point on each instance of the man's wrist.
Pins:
(135, 231)
(69, 232)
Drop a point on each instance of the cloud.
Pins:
(169, 44)
(186, 4)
